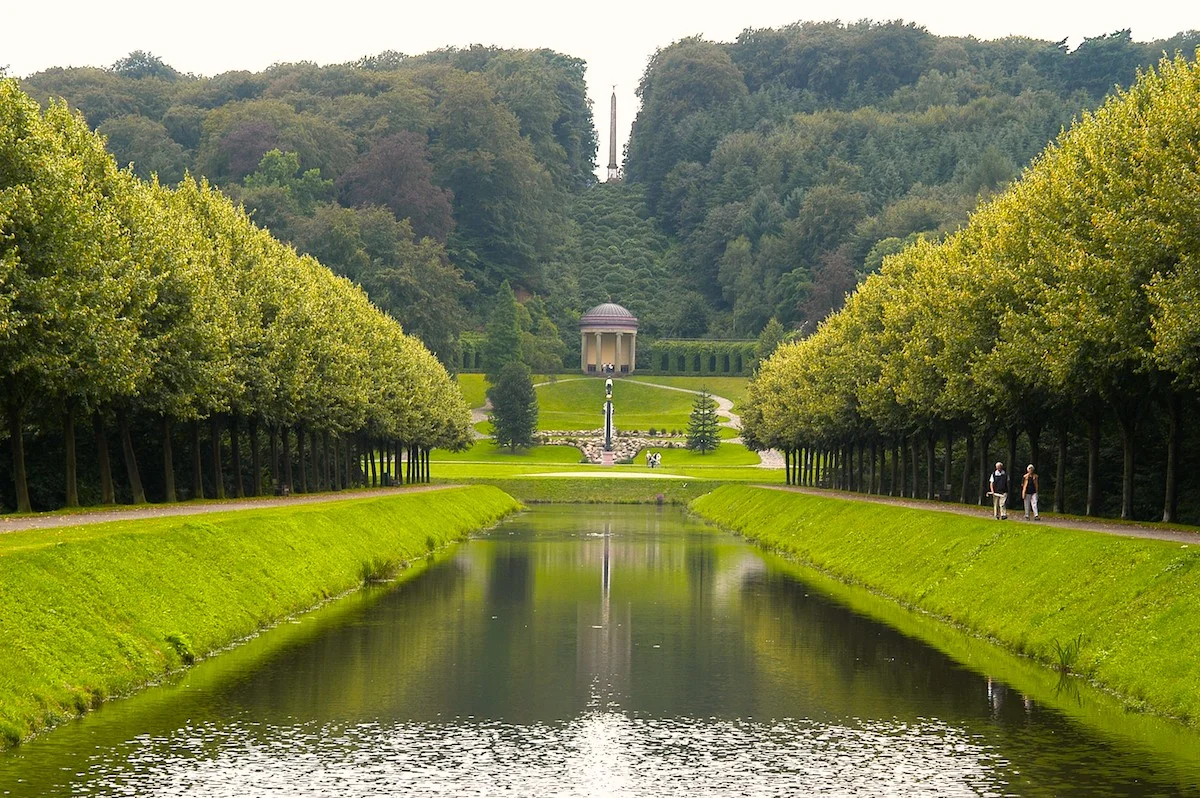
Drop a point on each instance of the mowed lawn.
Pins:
(732, 388)
(578, 404)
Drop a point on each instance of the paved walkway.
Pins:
(1122, 528)
(49, 520)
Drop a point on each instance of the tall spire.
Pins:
(614, 169)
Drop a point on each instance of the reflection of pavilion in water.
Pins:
(604, 639)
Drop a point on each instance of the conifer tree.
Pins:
(514, 406)
(503, 343)
(702, 434)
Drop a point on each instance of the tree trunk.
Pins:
(214, 431)
(16, 425)
(168, 453)
(985, 462)
(1128, 422)
(1060, 467)
(131, 468)
(902, 468)
(874, 467)
(1034, 432)
(1093, 488)
(285, 433)
(916, 468)
(948, 462)
(255, 458)
(235, 442)
(107, 495)
(1011, 465)
(930, 459)
(346, 444)
(274, 453)
(325, 470)
(427, 474)
(337, 462)
(372, 473)
(968, 458)
(72, 463)
(893, 481)
(300, 452)
(1170, 500)
(197, 465)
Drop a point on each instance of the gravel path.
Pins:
(1121, 528)
(49, 520)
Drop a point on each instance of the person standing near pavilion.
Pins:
(1029, 492)
(998, 490)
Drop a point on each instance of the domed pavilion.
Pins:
(608, 337)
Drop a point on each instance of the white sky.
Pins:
(615, 38)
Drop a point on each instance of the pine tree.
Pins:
(503, 345)
(702, 434)
(514, 406)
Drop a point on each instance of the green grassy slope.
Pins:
(1034, 589)
(95, 611)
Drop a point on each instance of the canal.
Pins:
(601, 650)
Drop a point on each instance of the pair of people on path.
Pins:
(998, 490)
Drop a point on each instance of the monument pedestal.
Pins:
(606, 458)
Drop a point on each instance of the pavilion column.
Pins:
(632, 352)
(599, 352)
(617, 362)
(583, 351)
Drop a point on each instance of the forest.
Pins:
(764, 177)
(1066, 309)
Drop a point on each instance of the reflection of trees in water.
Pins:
(820, 660)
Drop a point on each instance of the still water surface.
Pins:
(589, 651)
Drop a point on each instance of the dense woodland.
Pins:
(152, 315)
(1060, 326)
(764, 177)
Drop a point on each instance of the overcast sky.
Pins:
(615, 38)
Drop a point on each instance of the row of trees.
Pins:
(125, 301)
(1068, 304)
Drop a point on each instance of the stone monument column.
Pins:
(583, 351)
(632, 352)
(599, 352)
(617, 362)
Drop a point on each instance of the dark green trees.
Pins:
(703, 424)
(514, 406)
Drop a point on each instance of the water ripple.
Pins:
(600, 754)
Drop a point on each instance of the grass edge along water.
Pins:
(98, 611)
(1129, 602)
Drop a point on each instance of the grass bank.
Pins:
(91, 612)
(1120, 611)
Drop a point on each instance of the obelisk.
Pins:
(614, 169)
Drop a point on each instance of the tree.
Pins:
(514, 406)
(769, 339)
(503, 345)
(397, 174)
(703, 428)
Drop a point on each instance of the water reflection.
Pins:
(589, 651)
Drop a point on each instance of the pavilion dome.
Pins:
(608, 314)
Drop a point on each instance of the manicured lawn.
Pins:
(474, 389)
(486, 451)
(732, 388)
(578, 404)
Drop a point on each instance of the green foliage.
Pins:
(769, 339)
(514, 414)
(1019, 586)
(128, 298)
(100, 610)
(503, 344)
(702, 434)
(1063, 300)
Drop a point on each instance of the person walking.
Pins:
(998, 490)
(1029, 491)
